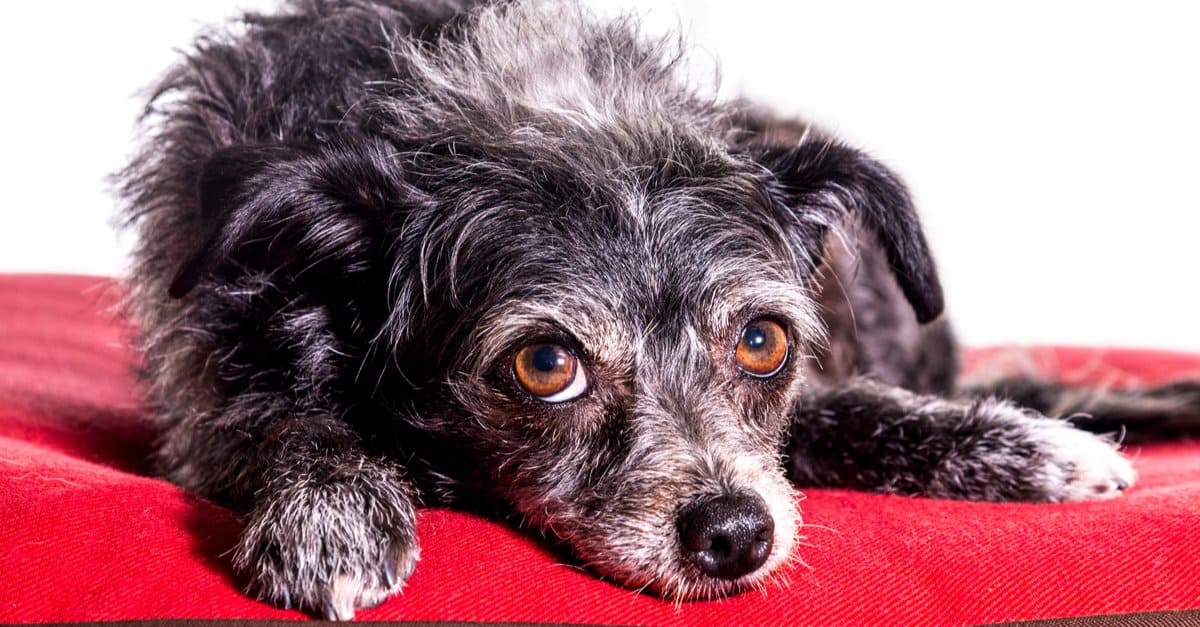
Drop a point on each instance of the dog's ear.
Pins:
(817, 183)
(317, 205)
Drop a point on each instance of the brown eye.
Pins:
(549, 372)
(762, 349)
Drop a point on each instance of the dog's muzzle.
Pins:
(727, 537)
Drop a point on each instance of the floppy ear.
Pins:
(819, 182)
(289, 203)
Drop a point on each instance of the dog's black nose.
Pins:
(728, 536)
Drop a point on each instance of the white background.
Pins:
(1052, 147)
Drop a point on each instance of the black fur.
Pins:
(833, 176)
(1165, 412)
(353, 214)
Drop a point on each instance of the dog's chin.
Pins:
(700, 587)
(672, 577)
(688, 584)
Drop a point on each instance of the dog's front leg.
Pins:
(869, 436)
(331, 529)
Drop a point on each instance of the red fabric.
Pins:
(86, 535)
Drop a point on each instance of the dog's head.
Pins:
(597, 310)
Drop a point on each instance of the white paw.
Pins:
(349, 593)
(1080, 466)
(325, 561)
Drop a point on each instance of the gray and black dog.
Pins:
(507, 256)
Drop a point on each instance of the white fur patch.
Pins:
(1082, 466)
(348, 593)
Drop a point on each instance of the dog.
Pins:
(506, 256)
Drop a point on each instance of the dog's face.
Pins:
(623, 367)
(624, 349)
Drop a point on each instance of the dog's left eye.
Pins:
(763, 348)
(550, 372)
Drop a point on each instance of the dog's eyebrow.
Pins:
(515, 321)
(606, 336)
(734, 300)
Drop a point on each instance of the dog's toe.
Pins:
(350, 593)
(1081, 466)
(399, 563)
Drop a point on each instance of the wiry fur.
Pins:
(353, 213)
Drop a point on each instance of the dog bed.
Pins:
(88, 535)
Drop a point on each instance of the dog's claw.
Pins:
(400, 563)
(343, 596)
(389, 574)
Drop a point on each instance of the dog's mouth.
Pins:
(683, 580)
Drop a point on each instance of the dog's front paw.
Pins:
(1078, 465)
(329, 550)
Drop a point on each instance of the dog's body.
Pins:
(387, 227)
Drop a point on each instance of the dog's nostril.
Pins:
(728, 536)
(720, 544)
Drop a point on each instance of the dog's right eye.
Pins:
(550, 372)
(762, 350)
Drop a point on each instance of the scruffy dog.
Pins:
(507, 256)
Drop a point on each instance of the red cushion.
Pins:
(86, 535)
